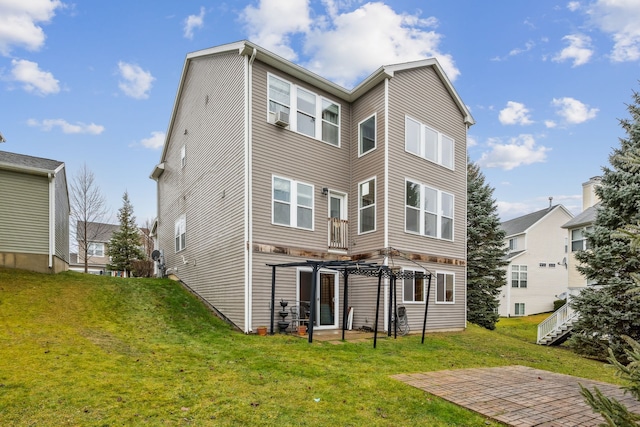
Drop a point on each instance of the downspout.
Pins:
(248, 196)
(386, 194)
(52, 218)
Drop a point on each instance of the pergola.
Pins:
(347, 268)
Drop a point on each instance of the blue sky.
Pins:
(546, 81)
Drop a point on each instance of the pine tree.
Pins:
(609, 313)
(486, 252)
(124, 246)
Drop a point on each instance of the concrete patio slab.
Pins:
(518, 395)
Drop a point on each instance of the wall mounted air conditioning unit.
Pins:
(282, 119)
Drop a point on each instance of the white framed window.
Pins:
(518, 276)
(413, 288)
(181, 233)
(513, 244)
(428, 143)
(367, 135)
(95, 249)
(367, 206)
(579, 240)
(183, 156)
(552, 265)
(542, 264)
(428, 211)
(315, 116)
(292, 203)
(519, 309)
(445, 290)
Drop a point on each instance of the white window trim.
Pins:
(523, 309)
(424, 287)
(293, 111)
(375, 135)
(439, 148)
(293, 204)
(183, 156)
(92, 252)
(439, 214)
(180, 230)
(375, 201)
(519, 271)
(446, 273)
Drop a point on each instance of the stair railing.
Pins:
(556, 320)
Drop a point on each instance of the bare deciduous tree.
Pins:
(88, 211)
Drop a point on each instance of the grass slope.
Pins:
(99, 351)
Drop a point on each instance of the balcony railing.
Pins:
(338, 233)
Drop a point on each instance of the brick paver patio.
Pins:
(518, 395)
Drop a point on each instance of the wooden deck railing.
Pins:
(338, 233)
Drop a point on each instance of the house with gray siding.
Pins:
(266, 163)
(34, 213)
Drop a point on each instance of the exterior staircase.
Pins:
(557, 327)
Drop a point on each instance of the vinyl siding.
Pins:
(62, 217)
(209, 190)
(288, 154)
(24, 213)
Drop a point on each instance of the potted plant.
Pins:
(262, 330)
(302, 329)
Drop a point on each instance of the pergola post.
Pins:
(345, 300)
(375, 327)
(426, 307)
(314, 288)
(273, 294)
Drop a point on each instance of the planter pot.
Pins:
(262, 330)
(302, 330)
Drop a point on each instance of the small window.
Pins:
(330, 122)
(444, 288)
(513, 244)
(181, 233)
(413, 287)
(519, 309)
(183, 156)
(552, 265)
(367, 206)
(367, 135)
(543, 264)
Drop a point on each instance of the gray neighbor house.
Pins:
(266, 163)
(34, 213)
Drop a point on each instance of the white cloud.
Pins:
(579, 50)
(19, 23)
(620, 19)
(267, 26)
(519, 151)
(471, 141)
(339, 44)
(573, 6)
(573, 111)
(136, 82)
(33, 79)
(550, 124)
(527, 47)
(192, 22)
(510, 210)
(515, 113)
(155, 141)
(66, 127)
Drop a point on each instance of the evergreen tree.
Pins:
(124, 246)
(609, 313)
(486, 251)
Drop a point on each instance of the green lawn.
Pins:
(79, 350)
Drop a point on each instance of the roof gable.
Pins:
(29, 164)
(521, 224)
(586, 217)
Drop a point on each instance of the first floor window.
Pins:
(367, 205)
(518, 276)
(444, 287)
(413, 287)
(292, 203)
(428, 211)
(181, 233)
(519, 309)
(95, 249)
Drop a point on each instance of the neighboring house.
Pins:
(577, 227)
(97, 241)
(265, 162)
(537, 270)
(34, 213)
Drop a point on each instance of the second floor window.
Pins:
(292, 203)
(367, 206)
(181, 233)
(95, 249)
(367, 135)
(428, 143)
(579, 241)
(314, 116)
(513, 244)
(518, 276)
(428, 211)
